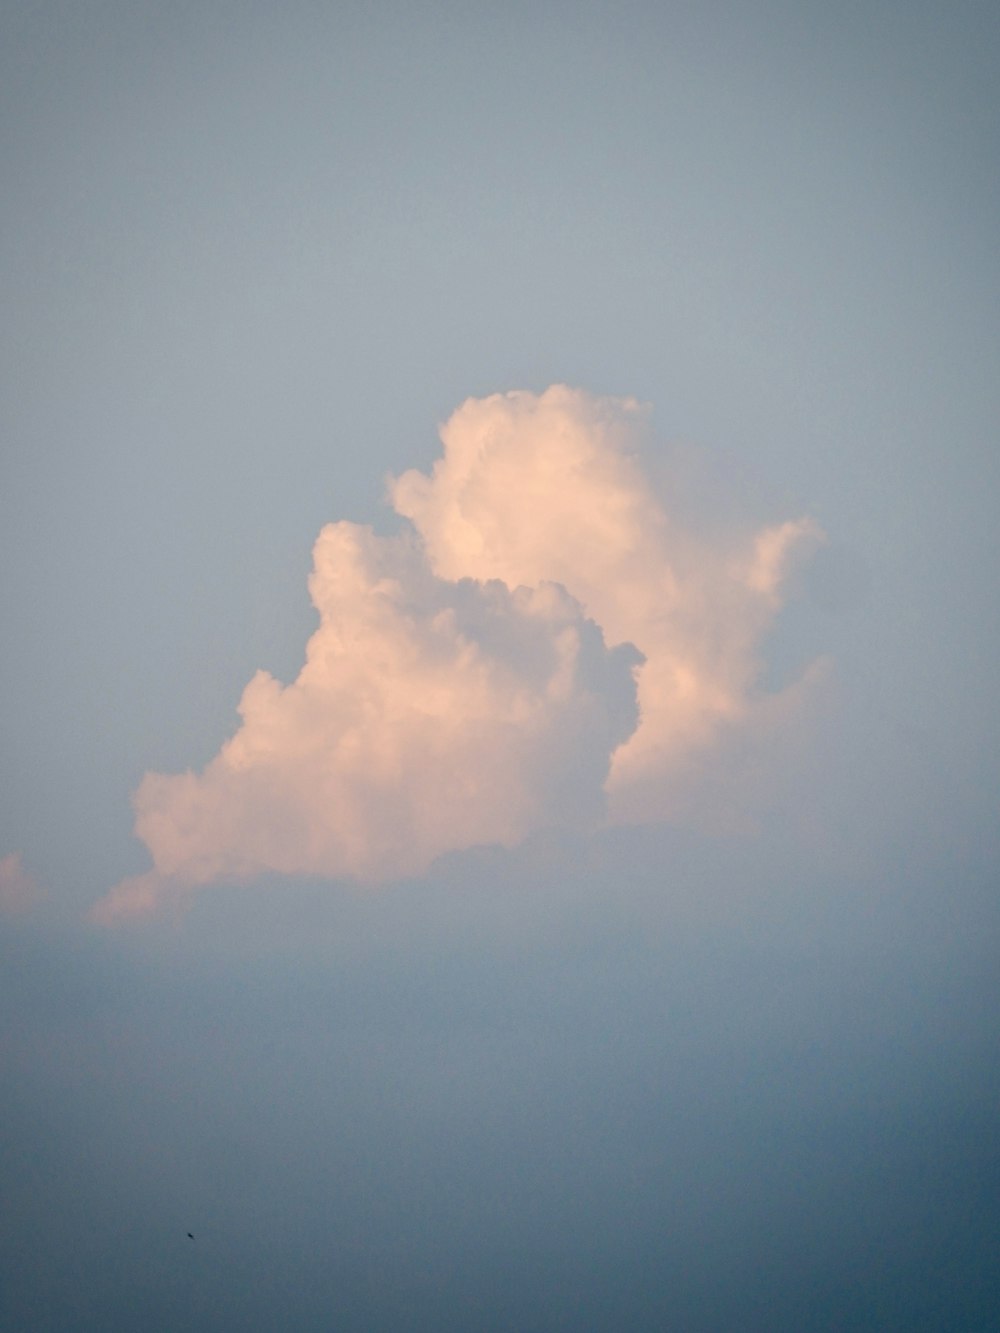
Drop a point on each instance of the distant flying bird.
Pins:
(190, 1237)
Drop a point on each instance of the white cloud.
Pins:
(475, 677)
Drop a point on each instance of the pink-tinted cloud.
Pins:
(429, 715)
(475, 677)
(550, 486)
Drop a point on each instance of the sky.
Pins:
(499, 754)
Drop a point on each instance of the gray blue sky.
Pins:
(718, 1052)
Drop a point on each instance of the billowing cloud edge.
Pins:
(544, 643)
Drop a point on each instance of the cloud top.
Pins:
(535, 487)
(546, 644)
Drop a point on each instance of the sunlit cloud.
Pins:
(552, 487)
(545, 643)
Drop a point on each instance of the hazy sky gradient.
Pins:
(649, 1077)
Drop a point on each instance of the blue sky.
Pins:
(251, 261)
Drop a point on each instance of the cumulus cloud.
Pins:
(545, 643)
(551, 487)
(19, 891)
(430, 714)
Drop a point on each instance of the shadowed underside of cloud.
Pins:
(548, 644)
